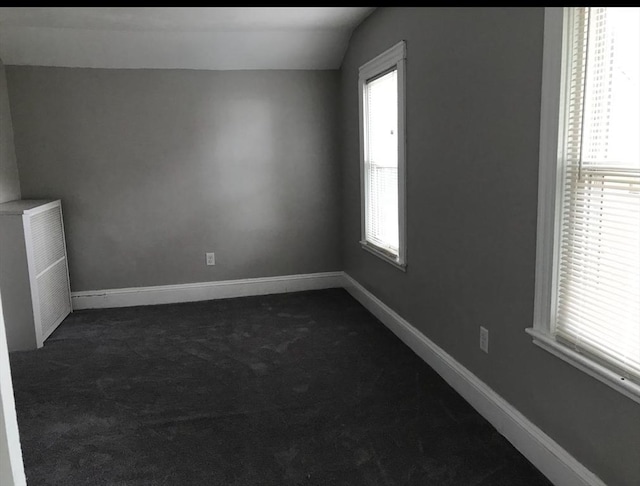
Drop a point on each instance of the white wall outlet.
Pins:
(484, 339)
(211, 258)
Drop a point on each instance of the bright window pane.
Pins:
(598, 301)
(381, 161)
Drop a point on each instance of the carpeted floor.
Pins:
(295, 389)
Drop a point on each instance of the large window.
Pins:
(588, 275)
(382, 155)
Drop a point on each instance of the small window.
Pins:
(588, 275)
(382, 155)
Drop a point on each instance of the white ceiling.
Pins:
(178, 38)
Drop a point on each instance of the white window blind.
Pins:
(381, 162)
(598, 283)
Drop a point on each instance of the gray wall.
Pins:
(9, 183)
(473, 114)
(157, 167)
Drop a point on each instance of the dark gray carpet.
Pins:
(295, 389)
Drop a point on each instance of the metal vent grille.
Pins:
(47, 237)
(53, 291)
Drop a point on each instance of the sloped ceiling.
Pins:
(178, 38)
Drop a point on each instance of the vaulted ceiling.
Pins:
(179, 38)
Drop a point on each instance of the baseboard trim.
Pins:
(192, 292)
(548, 456)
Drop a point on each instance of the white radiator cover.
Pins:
(34, 276)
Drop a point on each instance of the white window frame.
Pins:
(395, 57)
(550, 178)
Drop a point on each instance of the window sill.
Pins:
(583, 363)
(374, 250)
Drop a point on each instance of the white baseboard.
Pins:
(553, 461)
(543, 452)
(168, 294)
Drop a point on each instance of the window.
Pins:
(382, 154)
(588, 257)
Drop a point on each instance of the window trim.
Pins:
(550, 183)
(395, 57)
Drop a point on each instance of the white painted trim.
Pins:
(384, 61)
(191, 292)
(394, 57)
(380, 253)
(545, 454)
(551, 121)
(402, 158)
(589, 366)
(363, 180)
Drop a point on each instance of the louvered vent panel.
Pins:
(53, 290)
(48, 241)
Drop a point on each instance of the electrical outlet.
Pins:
(211, 258)
(484, 339)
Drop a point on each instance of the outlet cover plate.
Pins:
(484, 339)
